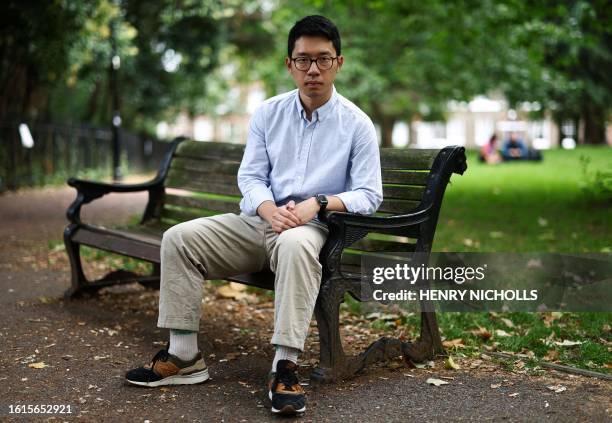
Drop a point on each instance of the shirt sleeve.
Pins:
(364, 183)
(254, 172)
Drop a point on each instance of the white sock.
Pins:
(284, 353)
(183, 344)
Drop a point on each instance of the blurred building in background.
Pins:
(470, 124)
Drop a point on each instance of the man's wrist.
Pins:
(266, 210)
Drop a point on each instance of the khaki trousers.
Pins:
(226, 245)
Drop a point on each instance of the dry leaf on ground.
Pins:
(482, 333)
(557, 388)
(501, 333)
(568, 343)
(436, 382)
(38, 365)
(450, 364)
(457, 343)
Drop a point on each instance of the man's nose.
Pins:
(313, 69)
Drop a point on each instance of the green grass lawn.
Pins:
(552, 206)
(528, 207)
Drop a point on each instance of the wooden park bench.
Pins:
(198, 179)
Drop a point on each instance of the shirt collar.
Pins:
(322, 112)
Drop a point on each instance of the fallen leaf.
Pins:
(482, 333)
(233, 290)
(568, 343)
(456, 343)
(450, 364)
(514, 394)
(436, 382)
(507, 322)
(475, 364)
(495, 385)
(38, 365)
(502, 333)
(557, 388)
(232, 355)
(551, 355)
(549, 318)
(424, 365)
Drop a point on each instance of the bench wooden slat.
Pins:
(190, 165)
(395, 206)
(404, 177)
(399, 158)
(212, 204)
(201, 182)
(403, 192)
(117, 243)
(210, 150)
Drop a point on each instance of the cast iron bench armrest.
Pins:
(87, 191)
(347, 228)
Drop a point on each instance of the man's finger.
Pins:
(289, 215)
(285, 221)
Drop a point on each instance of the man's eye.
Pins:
(302, 60)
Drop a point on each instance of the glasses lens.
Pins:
(324, 63)
(302, 63)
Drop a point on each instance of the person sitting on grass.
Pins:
(514, 148)
(307, 151)
(489, 153)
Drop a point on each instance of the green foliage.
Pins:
(406, 59)
(596, 184)
(64, 49)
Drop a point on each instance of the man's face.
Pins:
(314, 82)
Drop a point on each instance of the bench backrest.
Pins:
(201, 181)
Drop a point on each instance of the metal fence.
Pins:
(60, 151)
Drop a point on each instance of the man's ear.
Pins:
(340, 61)
(288, 64)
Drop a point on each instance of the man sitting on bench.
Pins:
(308, 150)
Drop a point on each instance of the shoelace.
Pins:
(288, 379)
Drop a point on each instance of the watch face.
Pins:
(322, 200)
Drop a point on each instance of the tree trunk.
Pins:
(386, 131)
(594, 123)
(412, 134)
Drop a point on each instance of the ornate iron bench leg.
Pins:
(78, 279)
(334, 364)
(327, 313)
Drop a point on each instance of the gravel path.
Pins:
(87, 345)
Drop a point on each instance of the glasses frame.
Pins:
(293, 59)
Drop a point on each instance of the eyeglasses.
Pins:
(304, 63)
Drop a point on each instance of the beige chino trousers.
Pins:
(227, 245)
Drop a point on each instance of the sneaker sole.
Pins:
(190, 379)
(286, 410)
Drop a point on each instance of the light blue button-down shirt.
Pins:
(288, 157)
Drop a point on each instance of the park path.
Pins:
(87, 345)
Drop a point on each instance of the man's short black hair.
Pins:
(314, 26)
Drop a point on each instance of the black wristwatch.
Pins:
(322, 200)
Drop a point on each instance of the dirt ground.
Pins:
(83, 348)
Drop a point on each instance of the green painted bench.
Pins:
(198, 179)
